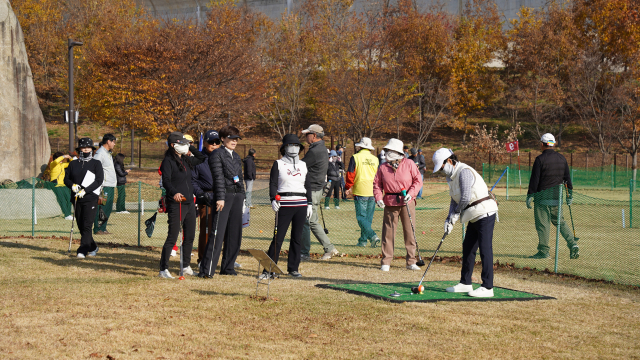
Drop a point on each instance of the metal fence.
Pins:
(609, 236)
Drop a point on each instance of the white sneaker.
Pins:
(337, 207)
(93, 253)
(173, 253)
(460, 288)
(413, 267)
(237, 265)
(482, 292)
(326, 208)
(385, 267)
(187, 270)
(330, 254)
(165, 274)
(123, 212)
(70, 217)
(80, 256)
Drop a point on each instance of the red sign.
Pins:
(512, 146)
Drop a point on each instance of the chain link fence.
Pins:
(609, 236)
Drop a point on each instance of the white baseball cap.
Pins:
(548, 139)
(439, 157)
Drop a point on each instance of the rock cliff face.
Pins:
(24, 143)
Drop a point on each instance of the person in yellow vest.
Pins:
(470, 202)
(56, 172)
(363, 167)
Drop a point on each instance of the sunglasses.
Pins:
(214, 142)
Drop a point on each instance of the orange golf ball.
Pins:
(260, 231)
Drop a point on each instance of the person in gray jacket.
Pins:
(110, 181)
(317, 161)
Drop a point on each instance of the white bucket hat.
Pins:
(394, 145)
(439, 157)
(365, 143)
(548, 139)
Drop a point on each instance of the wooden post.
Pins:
(586, 155)
(572, 160)
(529, 160)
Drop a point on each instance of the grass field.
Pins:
(113, 306)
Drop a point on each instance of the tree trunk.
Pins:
(464, 136)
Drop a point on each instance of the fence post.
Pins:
(33, 206)
(140, 209)
(560, 193)
(612, 177)
(630, 203)
(507, 183)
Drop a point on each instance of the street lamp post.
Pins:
(71, 114)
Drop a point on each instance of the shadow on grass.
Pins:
(212, 293)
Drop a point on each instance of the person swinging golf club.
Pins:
(177, 165)
(291, 201)
(392, 177)
(84, 176)
(470, 202)
(549, 171)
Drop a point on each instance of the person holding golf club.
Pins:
(177, 166)
(229, 195)
(470, 202)
(84, 176)
(291, 201)
(400, 181)
(549, 171)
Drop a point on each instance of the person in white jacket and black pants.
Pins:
(287, 179)
(470, 202)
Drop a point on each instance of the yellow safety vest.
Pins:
(366, 169)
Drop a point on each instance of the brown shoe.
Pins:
(106, 233)
(99, 233)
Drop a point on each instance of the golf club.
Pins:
(326, 231)
(420, 262)
(325, 192)
(416, 289)
(181, 240)
(72, 221)
(275, 227)
(215, 233)
(571, 216)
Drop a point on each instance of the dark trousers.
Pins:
(335, 188)
(479, 235)
(296, 217)
(188, 229)
(85, 213)
(228, 222)
(204, 213)
(107, 208)
(122, 196)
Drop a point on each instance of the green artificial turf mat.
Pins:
(433, 291)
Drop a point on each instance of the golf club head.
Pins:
(420, 262)
(415, 290)
(181, 278)
(326, 231)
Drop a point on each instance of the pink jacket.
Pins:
(406, 177)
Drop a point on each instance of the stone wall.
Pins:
(24, 143)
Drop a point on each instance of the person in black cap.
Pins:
(202, 181)
(287, 179)
(250, 174)
(228, 194)
(84, 177)
(419, 161)
(179, 160)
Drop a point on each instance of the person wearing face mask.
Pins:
(287, 179)
(470, 202)
(333, 173)
(229, 196)
(177, 166)
(84, 176)
(396, 174)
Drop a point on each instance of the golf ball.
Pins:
(260, 231)
(424, 232)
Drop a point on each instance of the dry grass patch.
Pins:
(114, 305)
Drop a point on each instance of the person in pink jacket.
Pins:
(395, 175)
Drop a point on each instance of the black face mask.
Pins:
(86, 154)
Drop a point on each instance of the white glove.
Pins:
(275, 205)
(453, 219)
(76, 188)
(309, 211)
(81, 194)
(407, 198)
(380, 204)
(448, 227)
(244, 206)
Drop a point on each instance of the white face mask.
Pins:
(448, 169)
(292, 150)
(393, 156)
(181, 149)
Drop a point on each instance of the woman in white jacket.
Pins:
(287, 180)
(470, 202)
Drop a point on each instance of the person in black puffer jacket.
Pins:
(121, 181)
(176, 179)
(85, 193)
(228, 190)
(333, 175)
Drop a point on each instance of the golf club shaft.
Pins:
(432, 258)
(414, 232)
(215, 235)
(181, 239)
(570, 212)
